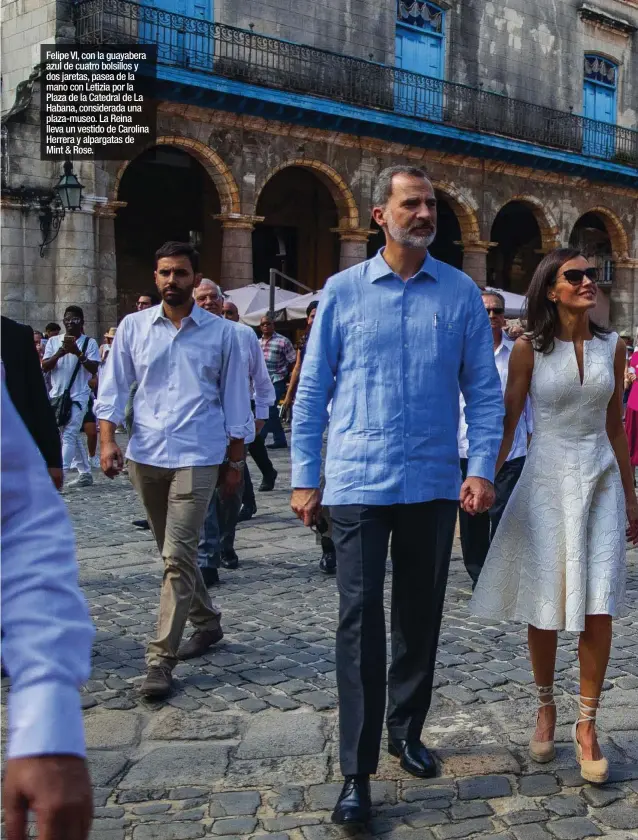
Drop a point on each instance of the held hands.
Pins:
(632, 519)
(69, 345)
(111, 458)
(477, 495)
(306, 503)
(56, 788)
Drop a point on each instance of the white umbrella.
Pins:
(514, 304)
(292, 309)
(255, 298)
(296, 309)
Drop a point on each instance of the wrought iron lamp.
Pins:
(67, 195)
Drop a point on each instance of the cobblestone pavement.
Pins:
(247, 745)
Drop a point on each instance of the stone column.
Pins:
(624, 305)
(237, 249)
(106, 277)
(475, 261)
(354, 245)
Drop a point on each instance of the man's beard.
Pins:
(409, 238)
(176, 296)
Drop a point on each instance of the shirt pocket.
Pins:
(447, 341)
(368, 392)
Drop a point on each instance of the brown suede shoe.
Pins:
(158, 682)
(199, 643)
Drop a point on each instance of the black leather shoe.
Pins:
(415, 757)
(328, 563)
(230, 560)
(211, 576)
(246, 512)
(268, 483)
(141, 523)
(353, 805)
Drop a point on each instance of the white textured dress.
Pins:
(559, 551)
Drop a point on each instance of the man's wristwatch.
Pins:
(236, 465)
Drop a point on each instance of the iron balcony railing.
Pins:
(243, 55)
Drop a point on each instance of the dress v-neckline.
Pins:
(586, 341)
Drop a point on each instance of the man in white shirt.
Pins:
(190, 412)
(46, 647)
(217, 542)
(478, 531)
(62, 355)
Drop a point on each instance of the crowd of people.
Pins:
(432, 411)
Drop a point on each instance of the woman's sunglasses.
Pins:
(575, 275)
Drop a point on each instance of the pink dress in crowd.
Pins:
(631, 415)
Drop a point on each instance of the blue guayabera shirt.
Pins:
(392, 355)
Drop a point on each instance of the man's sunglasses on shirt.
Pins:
(575, 276)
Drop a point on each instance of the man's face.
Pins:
(267, 327)
(143, 302)
(209, 299)
(51, 333)
(409, 217)
(230, 311)
(175, 279)
(37, 338)
(496, 312)
(73, 324)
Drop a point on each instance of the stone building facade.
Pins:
(267, 153)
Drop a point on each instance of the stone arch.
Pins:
(464, 210)
(339, 190)
(550, 236)
(219, 172)
(615, 229)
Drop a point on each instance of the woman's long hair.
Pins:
(543, 321)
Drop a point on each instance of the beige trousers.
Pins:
(176, 501)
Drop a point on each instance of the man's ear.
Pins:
(198, 278)
(378, 215)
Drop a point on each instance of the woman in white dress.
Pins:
(557, 561)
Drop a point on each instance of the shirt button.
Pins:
(406, 346)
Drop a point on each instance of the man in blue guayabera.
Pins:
(394, 341)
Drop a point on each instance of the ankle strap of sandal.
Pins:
(585, 712)
(545, 691)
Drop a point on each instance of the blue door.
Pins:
(181, 42)
(419, 49)
(599, 105)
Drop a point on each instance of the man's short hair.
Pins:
(74, 310)
(383, 186)
(178, 249)
(152, 296)
(51, 326)
(489, 293)
(205, 281)
(312, 305)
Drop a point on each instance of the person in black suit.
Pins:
(25, 384)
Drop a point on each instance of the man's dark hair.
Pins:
(312, 305)
(178, 249)
(74, 310)
(383, 187)
(51, 326)
(494, 294)
(153, 297)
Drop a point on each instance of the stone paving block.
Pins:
(240, 826)
(176, 725)
(531, 832)
(532, 815)
(105, 766)
(275, 735)
(539, 784)
(287, 799)
(567, 806)
(465, 810)
(480, 760)
(619, 815)
(237, 803)
(427, 818)
(167, 831)
(463, 829)
(319, 700)
(598, 797)
(266, 772)
(183, 765)
(573, 828)
(457, 694)
(484, 787)
(287, 822)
